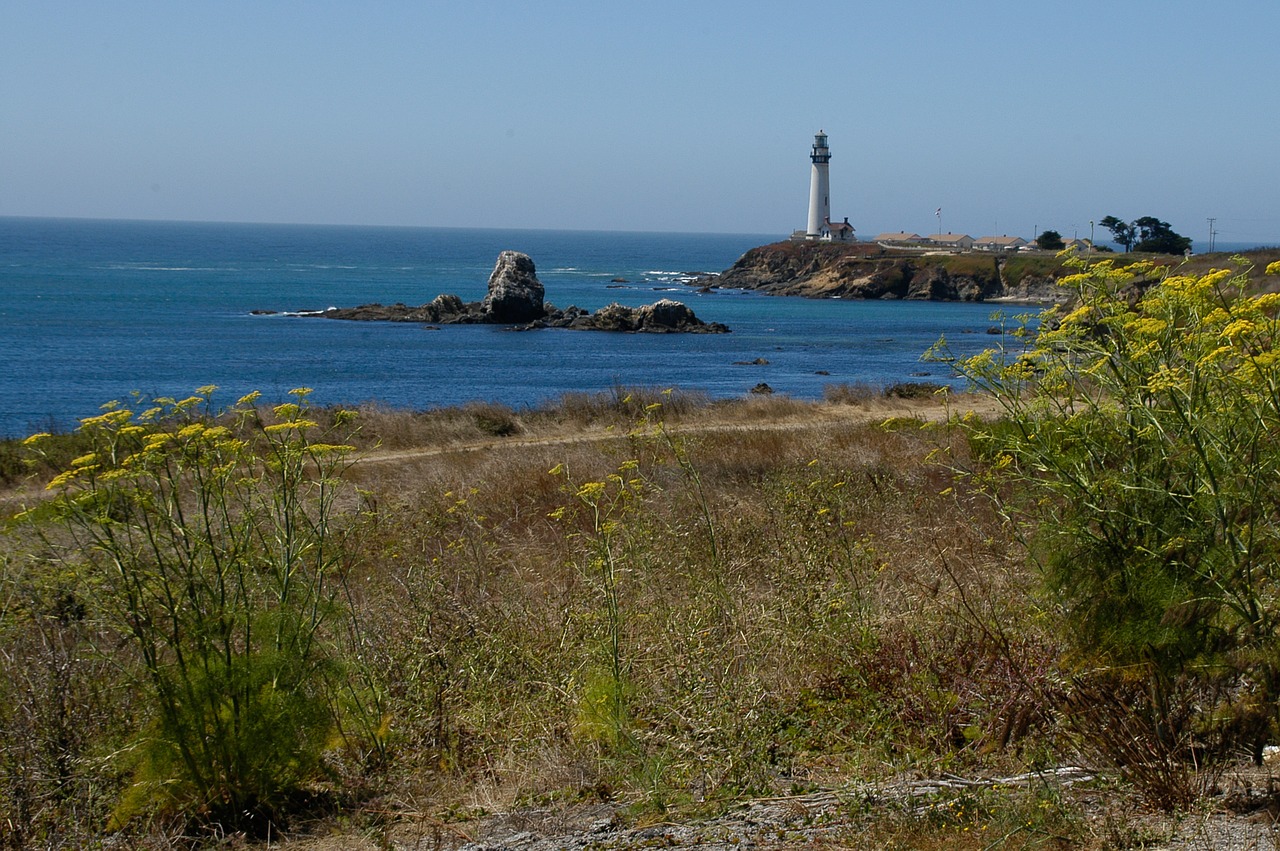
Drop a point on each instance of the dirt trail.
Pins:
(807, 417)
(814, 418)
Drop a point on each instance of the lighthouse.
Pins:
(819, 188)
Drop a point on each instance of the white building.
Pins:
(954, 241)
(999, 243)
(899, 238)
(819, 188)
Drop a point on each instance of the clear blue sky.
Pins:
(670, 116)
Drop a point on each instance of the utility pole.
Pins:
(1212, 233)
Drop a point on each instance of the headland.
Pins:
(865, 270)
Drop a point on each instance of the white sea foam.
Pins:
(302, 312)
(136, 267)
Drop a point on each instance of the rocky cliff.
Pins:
(866, 271)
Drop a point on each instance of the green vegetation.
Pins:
(1136, 457)
(1147, 234)
(211, 549)
(1050, 240)
(1023, 265)
(256, 618)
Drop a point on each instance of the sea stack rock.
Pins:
(515, 293)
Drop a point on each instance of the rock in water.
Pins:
(515, 298)
(666, 313)
(515, 293)
(661, 317)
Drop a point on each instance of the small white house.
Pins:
(840, 231)
(999, 243)
(954, 241)
(900, 238)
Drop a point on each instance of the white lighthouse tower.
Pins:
(819, 188)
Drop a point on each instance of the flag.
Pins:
(938, 212)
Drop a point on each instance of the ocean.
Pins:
(93, 311)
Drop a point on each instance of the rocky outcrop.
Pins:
(515, 293)
(661, 317)
(868, 271)
(515, 297)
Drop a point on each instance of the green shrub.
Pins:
(214, 549)
(1139, 454)
(913, 390)
(494, 420)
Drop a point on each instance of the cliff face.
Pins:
(864, 271)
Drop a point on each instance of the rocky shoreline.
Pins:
(869, 271)
(515, 298)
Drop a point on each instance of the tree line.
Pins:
(1147, 234)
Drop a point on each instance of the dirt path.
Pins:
(735, 419)
(811, 419)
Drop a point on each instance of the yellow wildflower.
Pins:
(289, 425)
(1215, 277)
(63, 478)
(1166, 378)
(1239, 328)
(590, 491)
(1267, 301)
(331, 448)
(1147, 326)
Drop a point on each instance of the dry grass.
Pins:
(791, 609)
(797, 597)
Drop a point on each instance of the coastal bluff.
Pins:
(870, 271)
(515, 297)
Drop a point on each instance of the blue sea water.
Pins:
(92, 311)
